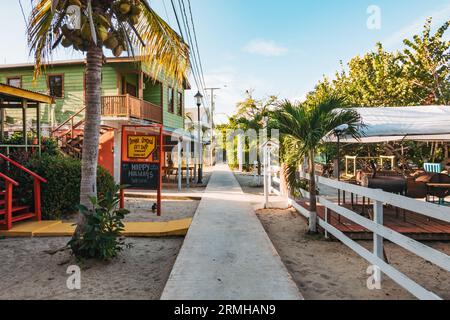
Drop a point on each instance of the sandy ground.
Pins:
(141, 210)
(329, 270)
(139, 273)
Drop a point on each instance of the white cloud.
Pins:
(439, 16)
(265, 48)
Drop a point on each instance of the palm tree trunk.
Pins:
(312, 193)
(94, 61)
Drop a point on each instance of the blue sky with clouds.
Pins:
(273, 47)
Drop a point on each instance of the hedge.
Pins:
(61, 195)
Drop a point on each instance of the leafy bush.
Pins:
(61, 195)
(50, 147)
(100, 237)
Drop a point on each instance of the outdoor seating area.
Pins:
(432, 186)
(402, 132)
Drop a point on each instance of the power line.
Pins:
(194, 71)
(176, 17)
(23, 13)
(189, 38)
(194, 48)
(195, 54)
(165, 9)
(196, 42)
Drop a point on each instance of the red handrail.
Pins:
(31, 173)
(8, 179)
(9, 183)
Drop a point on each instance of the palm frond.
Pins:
(40, 36)
(163, 49)
(304, 126)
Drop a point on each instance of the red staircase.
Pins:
(10, 210)
(70, 135)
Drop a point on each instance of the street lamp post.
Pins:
(199, 98)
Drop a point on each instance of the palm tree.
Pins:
(118, 25)
(303, 128)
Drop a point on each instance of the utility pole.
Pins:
(211, 122)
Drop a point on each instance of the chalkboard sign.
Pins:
(143, 176)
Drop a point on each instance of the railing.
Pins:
(37, 185)
(131, 107)
(73, 125)
(116, 106)
(380, 231)
(9, 184)
(8, 147)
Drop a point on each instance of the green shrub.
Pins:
(50, 147)
(61, 195)
(101, 236)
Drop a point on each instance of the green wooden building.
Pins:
(64, 80)
(130, 95)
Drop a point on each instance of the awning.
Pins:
(10, 94)
(384, 124)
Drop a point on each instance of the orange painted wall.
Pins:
(106, 152)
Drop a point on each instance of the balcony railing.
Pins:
(130, 107)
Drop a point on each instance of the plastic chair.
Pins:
(432, 167)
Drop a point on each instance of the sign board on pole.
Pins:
(142, 159)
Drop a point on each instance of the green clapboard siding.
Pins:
(152, 92)
(73, 99)
(171, 120)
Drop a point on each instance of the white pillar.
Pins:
(117, 155)
(240, 151)
(187, 151)
(269, 171)
(179, 147)
(266, 180)
(255, 173)
(195, 161)
(377, 239)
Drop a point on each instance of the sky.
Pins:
(278, 48)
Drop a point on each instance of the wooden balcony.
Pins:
(130, 107)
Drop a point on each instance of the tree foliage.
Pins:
(130, 26)
(303, 128)
(419, 74)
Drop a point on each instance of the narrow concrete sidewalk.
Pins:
(227, 255)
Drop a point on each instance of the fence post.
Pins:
(266, 180)
(377, 239)
(8, 204)
(269, 171)
(37, 199)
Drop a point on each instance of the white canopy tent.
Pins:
(384, 124)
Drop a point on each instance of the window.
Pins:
(56, 86)
(171, 100)
(14, 82)
(180, 104)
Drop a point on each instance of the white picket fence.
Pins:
(381, 232)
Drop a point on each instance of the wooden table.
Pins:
(437, 186)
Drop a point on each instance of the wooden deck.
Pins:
(130, 107)
(408, 223)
